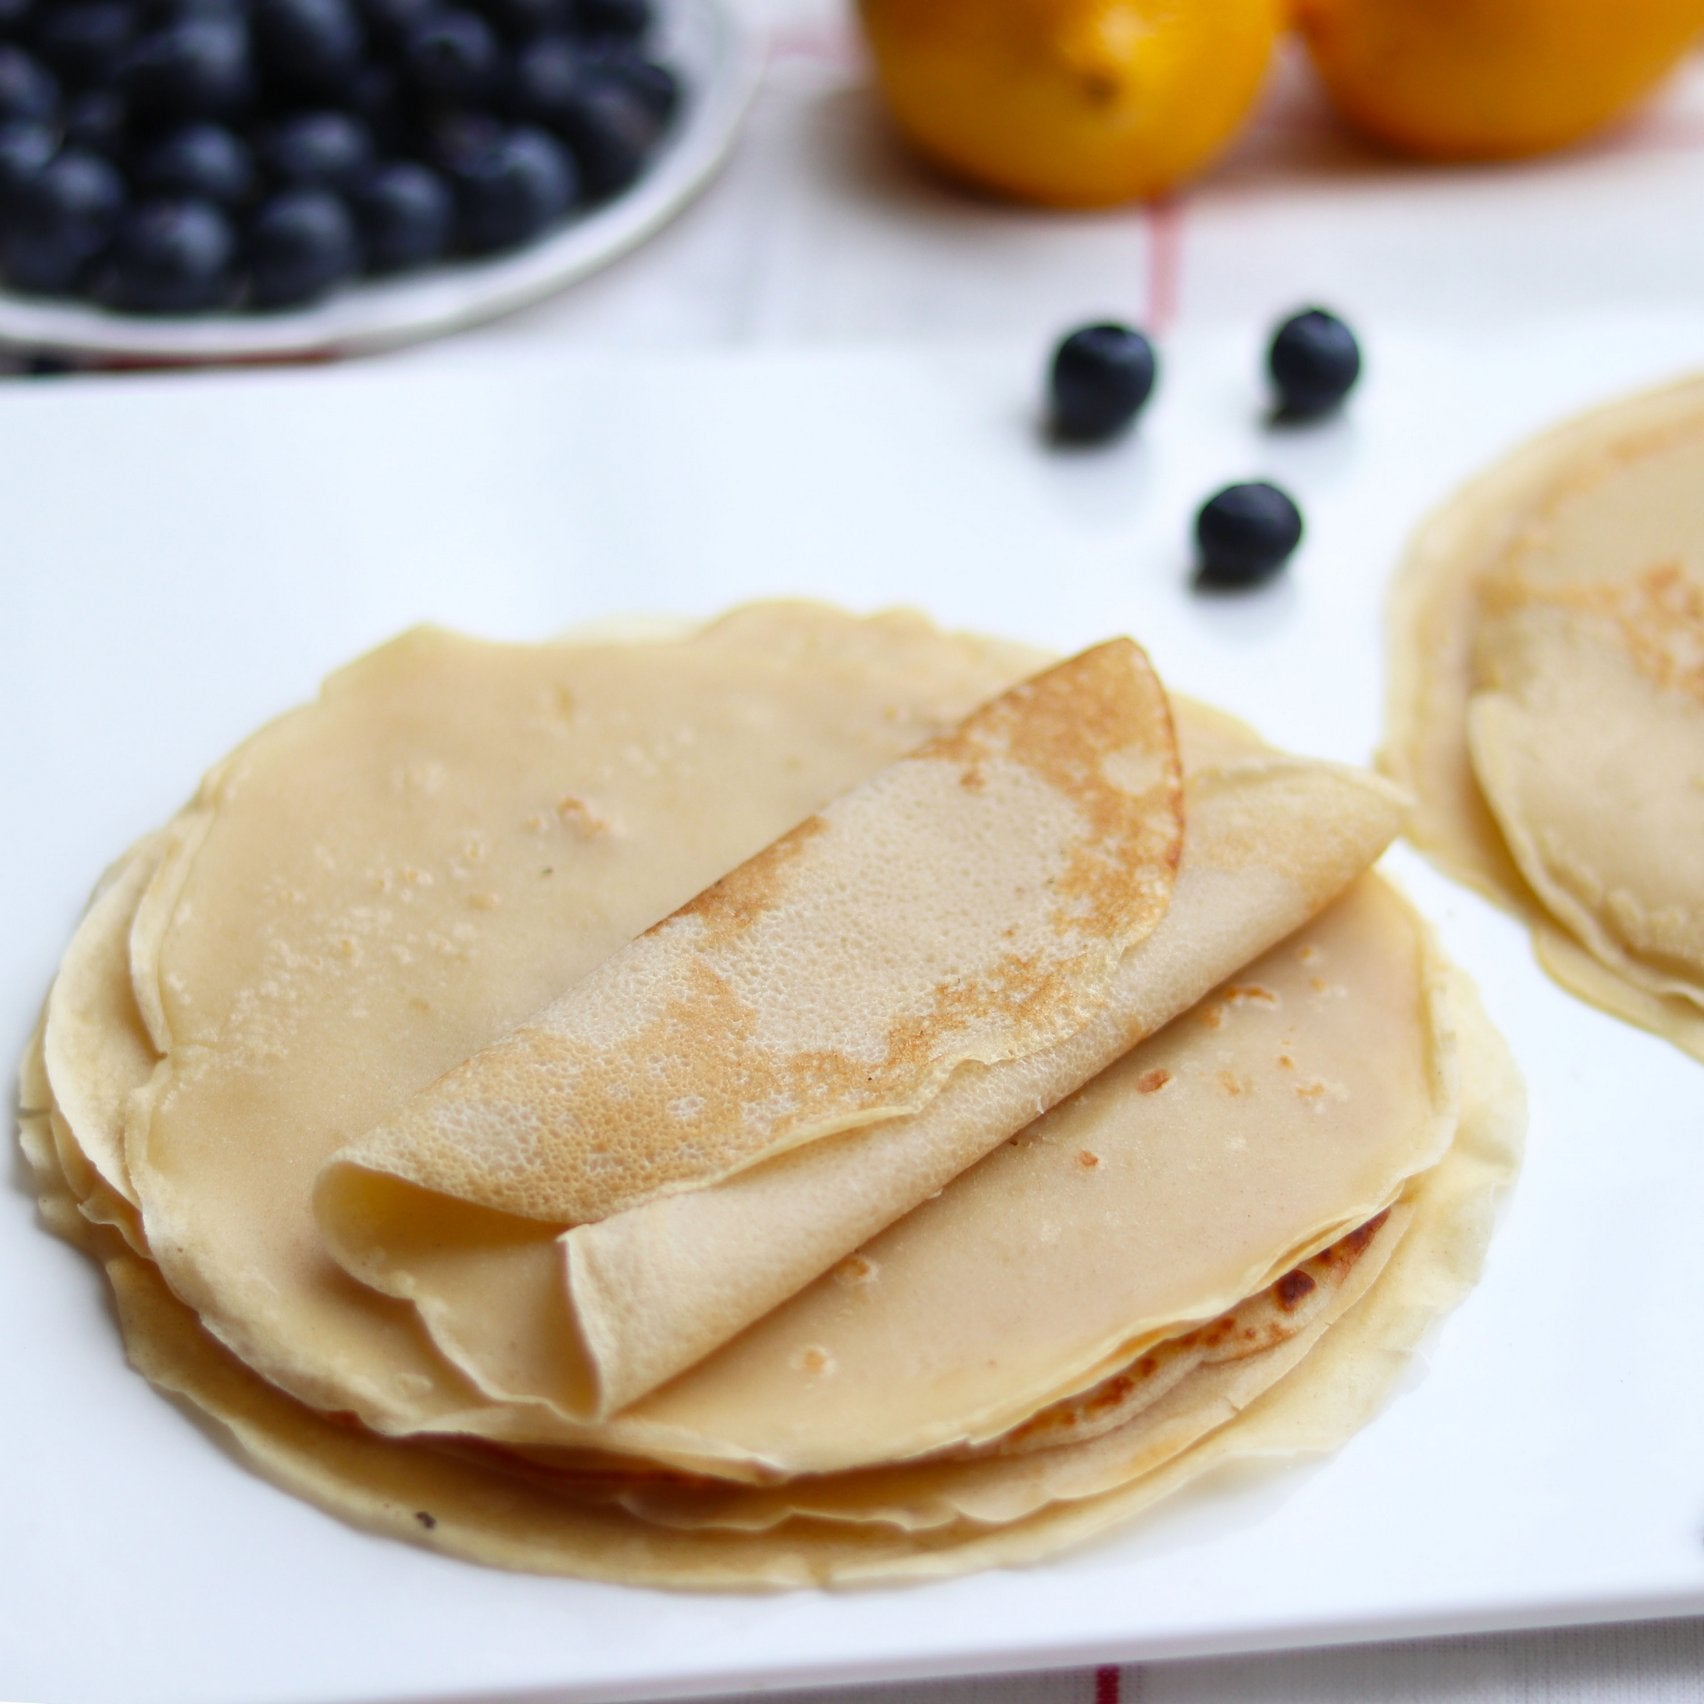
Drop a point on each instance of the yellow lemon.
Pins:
(1072, 103)
(1491, 79)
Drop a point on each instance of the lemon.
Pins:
(1071, 103)
(1491, 79)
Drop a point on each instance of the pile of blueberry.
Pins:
(198, 156)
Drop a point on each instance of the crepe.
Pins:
(291, 1057)
(213, 1141)
(1548, 701)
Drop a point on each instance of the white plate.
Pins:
(718, 64)
(184, 556)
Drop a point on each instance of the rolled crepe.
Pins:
(1258, 862)
(969, 904)
(1258, 1128)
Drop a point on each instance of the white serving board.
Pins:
(182, 557)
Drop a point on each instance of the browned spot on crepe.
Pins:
(798, 996)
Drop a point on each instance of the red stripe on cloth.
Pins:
(1165, 263)
(830, 44)
(1106, 1685)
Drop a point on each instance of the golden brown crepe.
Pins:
(1548, 701)
(367, 895)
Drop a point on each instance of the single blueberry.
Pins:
(99, 120)
(548, 72)
(650, 82)
(510, 192)
(623, 20)
(1100, 379)
(325, 150)
(311, 45)
(1314, 361)
(86, 42)
(1245, 534)
(452, 56)
(611, 134)
(203, 161)
(406, 215)
(301, 246)
(171, 257)
(59, 220)
(198, 67)
(26, 145)
(27, 88)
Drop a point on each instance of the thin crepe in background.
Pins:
(1547, 701)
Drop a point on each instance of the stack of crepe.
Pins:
(812, 1099)
(1547, 702)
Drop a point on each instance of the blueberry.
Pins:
(26, 145)
(27, 88)
(1101, 377)
(407, 217)
(15, 15)
(171, 257)
(59, 220)
(198, 67)
(1245, 534)
(203, 161)
(611, 134)
(324, 150)
(508, 193)
(86, 43)
(1314, 361)
(301, 246)
(314, 45)
(452, 56)
(655, 86)
(98, 120)
(622, 20)
(547, 74)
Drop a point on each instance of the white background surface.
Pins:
(248, 533)
(179, 560)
